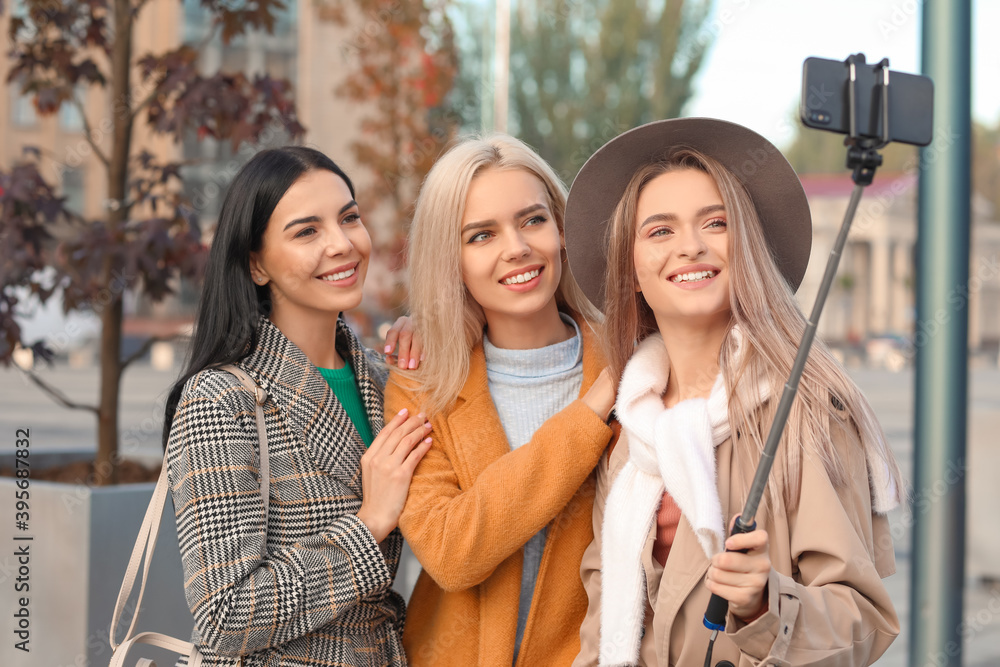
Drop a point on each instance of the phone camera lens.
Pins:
(819, 117)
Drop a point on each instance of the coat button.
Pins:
(724, 663)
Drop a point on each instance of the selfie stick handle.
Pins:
(863, 158)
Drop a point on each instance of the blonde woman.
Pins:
(498, 512)
(708, 235)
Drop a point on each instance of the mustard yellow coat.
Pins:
(473, 504)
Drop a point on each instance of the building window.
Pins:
(23, 110)
(286, 22)
(70, 118)
(72, 189)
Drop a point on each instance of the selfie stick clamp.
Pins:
(862, 152)
(863, 158)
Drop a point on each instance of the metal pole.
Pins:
(941, 339)
(501, 65)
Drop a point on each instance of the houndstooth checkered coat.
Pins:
(322, 595)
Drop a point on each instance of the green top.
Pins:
(345, 388)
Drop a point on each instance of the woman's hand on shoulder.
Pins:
(387, 468)
(601, 396)
(403, 343)
(741, 578)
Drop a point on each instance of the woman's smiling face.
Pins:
(315, 250)
(682, 247)
(511, 244)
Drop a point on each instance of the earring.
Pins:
(260, 280)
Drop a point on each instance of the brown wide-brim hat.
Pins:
(773, 185)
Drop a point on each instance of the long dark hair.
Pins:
(231, 303)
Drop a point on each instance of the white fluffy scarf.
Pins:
(669, 449)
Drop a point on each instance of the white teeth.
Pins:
(339, 276)
(521, 277)
(694, 276)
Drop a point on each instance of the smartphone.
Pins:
(825, 101)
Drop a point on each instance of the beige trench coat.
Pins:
(826, 601)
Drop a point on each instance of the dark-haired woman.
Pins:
(289, 256)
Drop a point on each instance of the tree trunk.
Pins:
(106, 464)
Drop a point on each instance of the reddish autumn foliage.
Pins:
(403, 64)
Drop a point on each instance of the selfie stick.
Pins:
(863, 158)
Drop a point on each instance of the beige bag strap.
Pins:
(146, 542)
(260, 396)
(184, 648)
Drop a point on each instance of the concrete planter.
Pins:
(82, 539)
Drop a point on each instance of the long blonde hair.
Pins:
(448, 320)
(764, 308)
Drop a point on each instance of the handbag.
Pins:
(146, 542)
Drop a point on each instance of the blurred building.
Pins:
(874, 293)
(311, 52)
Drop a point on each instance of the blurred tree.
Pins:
(582, 73)
(401, 66)
(149, 236)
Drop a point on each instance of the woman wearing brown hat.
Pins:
(708, 235)
(499, 511)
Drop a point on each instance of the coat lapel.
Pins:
(312, 411)
(475, 423)
(370, 375)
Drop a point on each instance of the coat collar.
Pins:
(309, 405)
(593, 363)
(474, 418)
